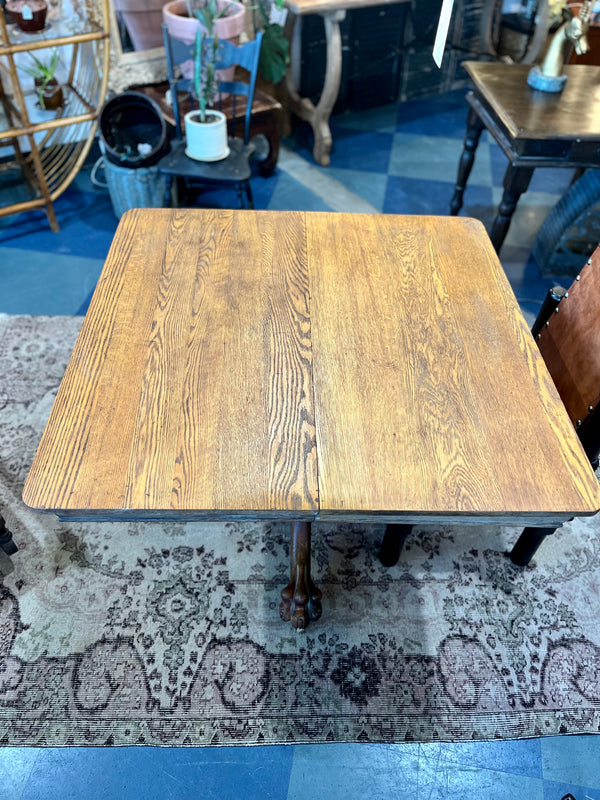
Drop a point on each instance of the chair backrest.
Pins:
(229, 55)
(569, 340)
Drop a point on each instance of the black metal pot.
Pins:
(133, 130)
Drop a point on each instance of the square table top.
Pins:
(526, 113)
(263, 364)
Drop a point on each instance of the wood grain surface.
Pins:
(230, 357)
(189, 387)
(527, 113)
(430, 393)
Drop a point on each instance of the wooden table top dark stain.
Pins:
(258, 364)
(529, 113)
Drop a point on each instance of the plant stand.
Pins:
(50, 152)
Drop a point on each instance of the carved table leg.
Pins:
(516, 181)
(6, 541)
(331, 87)
(300, 600)
(528, 543)
(393, 542)
(474, 129)
(318, 116)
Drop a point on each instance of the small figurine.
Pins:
(550, 76)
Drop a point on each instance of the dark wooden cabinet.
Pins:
(388, 53)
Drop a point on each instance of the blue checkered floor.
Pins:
(396, 159)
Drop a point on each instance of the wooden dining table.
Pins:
(265, 365)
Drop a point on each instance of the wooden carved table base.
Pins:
(318, 116)
(300, 600)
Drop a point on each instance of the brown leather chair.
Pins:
(567, 331)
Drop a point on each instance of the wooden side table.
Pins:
(333, 12)
(533, 128)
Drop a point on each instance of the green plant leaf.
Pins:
(274, 53)
(204, 18)
(42, 70)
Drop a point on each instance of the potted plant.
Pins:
(142, 19)
(30, 15)
(223, 18)
(205, 127)
(49, 91)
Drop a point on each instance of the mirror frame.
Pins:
(135, 68)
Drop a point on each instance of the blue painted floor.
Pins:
(395, 159)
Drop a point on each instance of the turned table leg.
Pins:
(516, 181)
(528, 543)
(474, 129)
(300, 600)
(318, 116)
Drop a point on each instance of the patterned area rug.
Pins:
(156, 634)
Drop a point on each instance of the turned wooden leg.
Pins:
(300, 600)
(474, 129)
(516, 181)
(6, 540)
(393, 542)
(528, 543)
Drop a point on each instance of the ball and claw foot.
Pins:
(300, 603)
(300, 600)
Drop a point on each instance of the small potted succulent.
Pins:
(30, 15)
(50, 93)
(205, 127)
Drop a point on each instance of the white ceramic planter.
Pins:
(206, 141)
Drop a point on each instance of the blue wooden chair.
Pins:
(234, 171)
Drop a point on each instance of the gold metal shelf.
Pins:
(50, 152)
